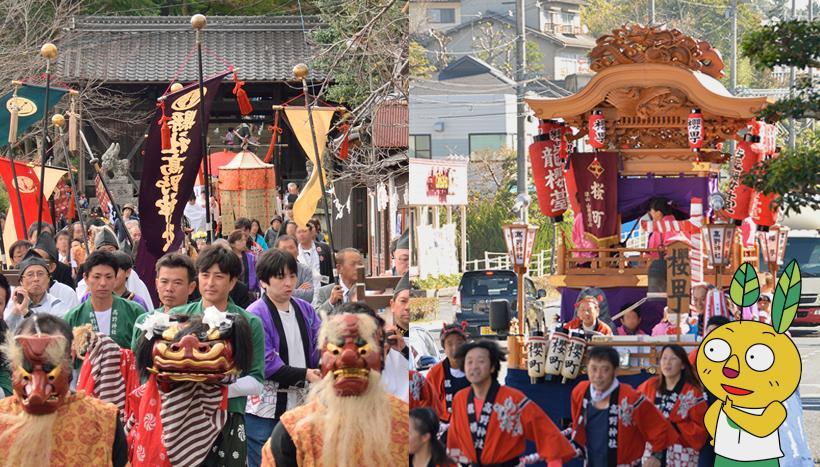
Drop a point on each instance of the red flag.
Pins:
(29, 188)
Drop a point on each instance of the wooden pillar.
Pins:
(436, 217)
(560, 253)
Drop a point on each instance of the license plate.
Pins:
(487, 331)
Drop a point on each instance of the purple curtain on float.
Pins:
(617, 297)
(634, 193)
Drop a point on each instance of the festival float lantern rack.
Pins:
(520, 238)
(247, 188)
(772, 244)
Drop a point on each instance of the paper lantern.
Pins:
(738, 195)
(537, 356)
(694, 129)
(575, 355)
(597, 130)
(761, 210)
(247, 188)
(547, 157)
(559, 344)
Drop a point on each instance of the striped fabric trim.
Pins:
(105, 370)
(191, 421)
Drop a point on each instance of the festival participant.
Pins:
(31, 296)
(18, 250)
(246, 226)
(125, 266)
(291, 196)
(47, 249)
(304, 277)
(218, 270)
(43, 423)
(183, 421)
(660, 209)
(273, 231)
(5, 371)
(676, 393)
(291, 330)
(611, 421)
(175, 282)
(422, 394)
(587, 309)
(630, 323)
(445, 376)
(105, 312)
(764, 305)
(397, 362)
(349, 419)
(45, 227)
(308, 254)
(668, 326)
(257, 235)
(238, 240)
(63, 248)
(104, 239)
(425, 448)
(331, 296)
(400, 256)
(491, 422)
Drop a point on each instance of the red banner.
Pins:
(548, 155)
(102, 197)
(738, 195)
(29, 188)
(596, 179)
(64, 201)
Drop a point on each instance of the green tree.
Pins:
(794, 175)
(420, 66)
(708, 20)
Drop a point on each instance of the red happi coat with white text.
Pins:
(686, 415)
(423, 394)
(514, 420)
(639, 422)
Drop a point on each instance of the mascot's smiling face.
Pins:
(750, 363)
(351, 349)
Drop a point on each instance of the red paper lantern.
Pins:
(548, 156)
(597, 130)
(761, 210)
(738, 195)
(694, 129)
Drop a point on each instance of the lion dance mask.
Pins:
(183, 407)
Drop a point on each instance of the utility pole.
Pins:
(520, 66)
(651, 12)
(792, 73)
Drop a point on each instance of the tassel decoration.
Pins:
(275, 132)
(344, 148)
(165, 130)
(15, 114)
(245, 107)
(73, 125)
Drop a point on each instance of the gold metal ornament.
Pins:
(58, 120)
(176, 87)
(198, 21)
(300, 71)
(48, 51)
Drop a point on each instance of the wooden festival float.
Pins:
(657, 118)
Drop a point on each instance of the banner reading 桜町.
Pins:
(596, 180)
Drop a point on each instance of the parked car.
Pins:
(424, 349)
(804, 246)
(478, 289)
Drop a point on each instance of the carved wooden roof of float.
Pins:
(647, 82)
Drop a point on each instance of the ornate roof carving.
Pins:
(636, 43)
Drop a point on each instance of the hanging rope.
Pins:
(245, 106)
(165, 130)
(275, 132)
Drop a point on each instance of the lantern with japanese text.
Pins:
(548, 156)
(597, 130)
(763, 209)
(574, 358)
(536, 356)
(694, 129)
(247, 188)
(559, 344)
(772, 243)
(738, 195)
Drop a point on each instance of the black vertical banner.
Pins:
(168, 175)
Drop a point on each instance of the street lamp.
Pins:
(772, 243)
(719, 239)
(520, 238)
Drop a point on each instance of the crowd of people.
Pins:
(277, 285)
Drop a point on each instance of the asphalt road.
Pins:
(808, 343)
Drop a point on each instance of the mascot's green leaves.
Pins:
(786, 298)
(745, 288)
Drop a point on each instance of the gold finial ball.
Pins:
(198, 21)
(300, 71)
(58, 120)
(176, 87)
(49, 51)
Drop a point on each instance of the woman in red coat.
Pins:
(677, 394)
